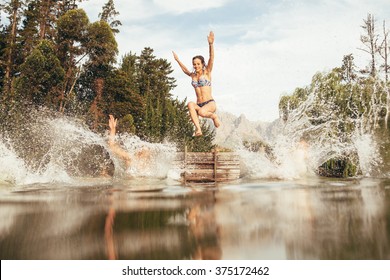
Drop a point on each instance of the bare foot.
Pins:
(216, 121)
(198, 133)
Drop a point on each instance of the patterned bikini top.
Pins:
(202, 82)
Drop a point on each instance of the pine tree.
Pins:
(108, 14)
(155, 85)
(71, 38)
(2, 50)
(13, 9)
(101, 48)
(129, 67)
(29, 33)
(121, 101)
(47, 18)
(41, 76)
(63, 6)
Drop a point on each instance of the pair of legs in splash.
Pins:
(206, 110)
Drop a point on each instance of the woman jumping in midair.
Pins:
(201, 81)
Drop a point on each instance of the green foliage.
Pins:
(181, 130)
(41, 75)
(71, 39)
(290, 103)
(257, 146)
(101, 47)
(338, 167)
(120, 100)
(101, 44)
(336, 107)
(67, 5)
(2, 66)
(10, 59)
(72, 71)
(129, 66)
(71, 29)
(127, 124)
(338, 95)
(203, 143)
(29, 33)
(49, 11)
(109, 14)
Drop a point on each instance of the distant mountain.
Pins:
(234, 130)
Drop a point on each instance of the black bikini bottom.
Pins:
(206, 102)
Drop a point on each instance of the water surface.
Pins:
(152, 219)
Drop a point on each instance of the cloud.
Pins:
(180, 6)
(135, 10)
(282, 50)
(264, 49)
(129, 10)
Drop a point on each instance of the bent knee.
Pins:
(191, 105)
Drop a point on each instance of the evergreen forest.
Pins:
(53, 59)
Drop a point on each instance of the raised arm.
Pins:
(182, 66)
(112, 124)
(115, 148)
(210, 39)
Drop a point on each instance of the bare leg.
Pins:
(216, 120)
(208, 111)
(193, 108)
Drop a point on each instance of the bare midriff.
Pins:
(203, 94)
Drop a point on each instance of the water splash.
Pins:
(150, 159)
(12, 168)
(313, 133)
(285, 161)
(63, 150)
(368, 153)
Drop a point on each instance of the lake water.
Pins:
(50, 210)
(312, 218)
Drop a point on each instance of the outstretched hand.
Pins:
(112, 124)
(210, 37)
(175, 56)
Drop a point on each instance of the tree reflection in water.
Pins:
(138, 231)
(312, 219)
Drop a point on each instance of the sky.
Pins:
(264, 49)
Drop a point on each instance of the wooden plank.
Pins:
(201, 154)
(211, 175)
(230, 165)
(215, 154)
(200, 157)
(209, 167)
(205, 171)
(210, 179)
(200, 171)
(190, 161)
(185, 163)
(180, 155)
(194, 162)
(196, 178)
(228, 155)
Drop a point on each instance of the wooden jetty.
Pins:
(210, 167)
